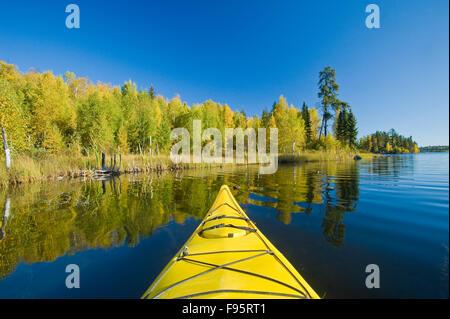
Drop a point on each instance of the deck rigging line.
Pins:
(225, 266)
(240, 291)
(249, 273)
(206, 272)
(224, 216)
(251, 230)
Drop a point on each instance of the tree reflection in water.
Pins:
(50, 220)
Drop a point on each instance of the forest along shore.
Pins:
(27, 169)
(55, 126)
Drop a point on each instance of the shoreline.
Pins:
(26, 169)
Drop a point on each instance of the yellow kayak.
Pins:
(228, 257)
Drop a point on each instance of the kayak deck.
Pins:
(228, 257)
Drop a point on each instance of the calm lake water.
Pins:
(330, 220)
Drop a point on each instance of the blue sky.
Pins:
(247, 53)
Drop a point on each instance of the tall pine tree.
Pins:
(307, 120)
(350, 128)
(341, 128)
(152, 92)
(328, 89)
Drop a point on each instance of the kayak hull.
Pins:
(227, 257)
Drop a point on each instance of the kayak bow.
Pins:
(228, 257)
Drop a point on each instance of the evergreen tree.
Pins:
(152, 92)
(307, 120)
(328, 89)
(341, 128)
(351, 131)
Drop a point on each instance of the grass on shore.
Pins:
(26, 169)
(322, 156)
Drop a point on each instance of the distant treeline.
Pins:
(388, 142)
(437, 148)
(47, 114)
